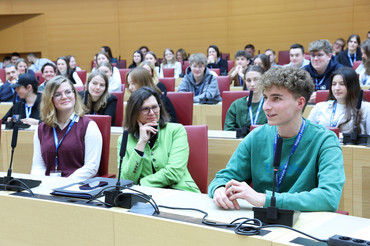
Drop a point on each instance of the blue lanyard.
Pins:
(295, 146)
(350, 59)
(365, 79)
(58, 143)
(254, 122)
(318, 83)
(334, 123)
(28, 110)
(241, 80)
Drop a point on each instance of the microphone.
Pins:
(16, 184)
(243, 131)
(110, 195)
(86, 95)
(273, 214)
(354, 137)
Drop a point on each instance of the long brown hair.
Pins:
(141, 77)
(102, 101)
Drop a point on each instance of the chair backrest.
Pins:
(225, 56)
(284, 57)
(223, 83)
(39, 77)
(119, 108)
(356, 64)
(103, 122)
(367, 95)
(183, 104)
(169, 83)
(79, 87)
(321, 96)
(82, 75)
(185, 65)
(168, 72)
(121, 64)
(230, 65)
(216, 70)
(334, 129)
(123, 72)
(228, 97)
(2, 75)
(198, 155)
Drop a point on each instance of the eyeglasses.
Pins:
(318, 55)
(67, 93)
(146, 110)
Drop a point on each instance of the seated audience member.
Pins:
(263, 61)
(96, 96)
(271, 55)
(140, 77)
(64, 70)
(296, 56)
(28, 108)
(37, 63)
(137, 58)
(22, 67)
(151, 57)
(144, 49)
(66, 143)
(113, 85)
(236, 116)
(338, 46)
(242, 60)
(249, 48)
(107, 50)
(116, 76)
(200, 81)
(214, 60)
(364, 69)
(181, 55)
(7, 93)
(49, 71)
(368, 35)
(14, 57)
(72, 63)
(352, 53)
(151, 69)
(340, 109)
(5, 62)
(315, 175)
(157, 151)
(321, 66)
(169, 61)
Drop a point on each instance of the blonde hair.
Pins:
(165, 62)
(154, 72)
(48, 110)
(102, 101)
(141, 77)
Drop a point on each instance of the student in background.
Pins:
(140, 77)
(7, 94)
(137, 58)
(113, 85)
(263, 61)
(271, 55)
(364, 69)
(72, 63)
(28, 107)
(242, 61)
(36, 63)
(338, 46)
(22, 67)
(169, 61)
(96, 96)
(352, 53)
(296, 56)
(144, 49)
(214, 60)
(236, 114)
(157, 151)
(151, 57)
(249, 48)
(116, 76)
(181, 55)
(14, 57)
(66, 143)
(200, 81)
(339, 110)
(64, 70)
(315, 176)
(49, 71)
(151, 69)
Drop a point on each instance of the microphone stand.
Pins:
(273, 214)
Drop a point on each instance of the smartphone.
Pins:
(93, 185)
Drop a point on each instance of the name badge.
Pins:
(56, 173)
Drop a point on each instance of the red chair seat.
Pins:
(168, 72)
(228, 97)
(169, 83)
(223, 83)
(123, 72)
(183, 104)
(119, 108)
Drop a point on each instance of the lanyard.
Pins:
(58, 143)
(350, 59)
(28, 110)
(365, 79)
(241, 80)
(318, 83)
(334, 123)
(254, 122)
(296, 143)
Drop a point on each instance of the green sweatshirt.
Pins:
(235, 117)
(315, 175)
(169, 157)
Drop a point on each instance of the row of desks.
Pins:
(39, 222)
(221, 145)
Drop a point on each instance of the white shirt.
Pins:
(115, 81)
(93, 149)
(322, 112)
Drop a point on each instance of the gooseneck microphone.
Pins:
(277, 158)
(354, 134)
(13, 145)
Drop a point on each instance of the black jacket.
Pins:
(19, 108)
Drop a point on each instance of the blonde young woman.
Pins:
(169, 61)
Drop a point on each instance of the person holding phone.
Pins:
(157, 151)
